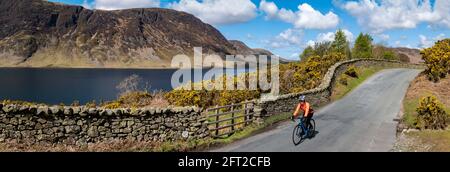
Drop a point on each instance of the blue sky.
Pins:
(286, 27)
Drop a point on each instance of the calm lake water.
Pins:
(54, 86)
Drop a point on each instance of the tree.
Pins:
(363, 46)
(322, 48)
(378, 51)
(340, 44)
(390, 55)
(309, 51)
(133, 83)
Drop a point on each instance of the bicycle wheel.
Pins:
(296, 135)
(312, 128)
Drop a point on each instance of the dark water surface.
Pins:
(54, 85)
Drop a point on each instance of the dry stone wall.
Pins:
(81, 125)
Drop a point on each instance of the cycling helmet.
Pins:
(302, 98)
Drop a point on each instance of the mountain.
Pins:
(37, 33)
(413, 54)
(245, 50)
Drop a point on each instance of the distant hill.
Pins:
(37, 33)
(245, 50)
(413, 54)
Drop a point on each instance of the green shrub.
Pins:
(351, 72)
(363, 46)
(431, 114)
(437, 59)
(389, 55)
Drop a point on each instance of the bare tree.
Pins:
(133, 83)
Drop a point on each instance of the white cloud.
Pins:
(442, 7)
(379, 16)
(310, 43)
(291, 36)
(439, 37)
(305, 18)
(124, 4)
(349, 35)
(294, 55)
(384, 37)
(325, 37)
(425, 42)
(287, 38)
(249, 37)
(218, 12)
(270, 8)
(329, 36)
(86, 4)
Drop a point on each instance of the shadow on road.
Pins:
(314, 134)
(310, 137)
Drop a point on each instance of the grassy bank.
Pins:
(424, 140)
(422, 87)
(340, 90)
(436, 141)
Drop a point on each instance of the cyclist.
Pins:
(306, 108)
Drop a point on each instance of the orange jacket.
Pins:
(304, 107)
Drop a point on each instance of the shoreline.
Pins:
(118, 68)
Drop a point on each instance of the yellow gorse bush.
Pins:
(431, 114)
(185, 96)
(351, 72)
(300, 76)
(294, 77)
(437, 59)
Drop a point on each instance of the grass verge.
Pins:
(424, 140)
(428, 141)
(340, 90)
(422, 87)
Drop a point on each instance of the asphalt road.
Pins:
(361, 121)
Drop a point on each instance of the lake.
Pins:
(56, 85)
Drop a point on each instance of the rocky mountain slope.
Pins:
(245, 50)
(37, 33)
(413, 54)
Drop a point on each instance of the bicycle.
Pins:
(301, 132)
